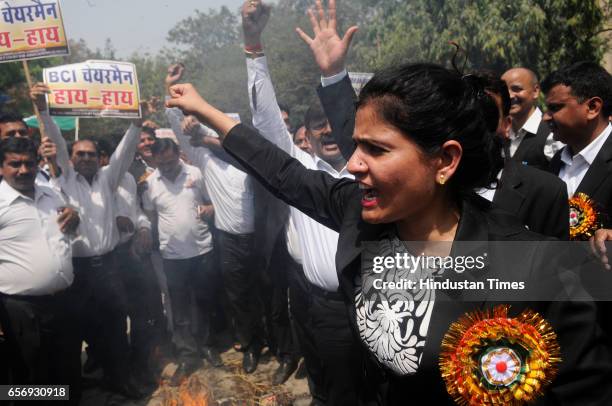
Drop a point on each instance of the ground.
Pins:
(225, 386)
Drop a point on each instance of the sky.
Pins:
(132, 25)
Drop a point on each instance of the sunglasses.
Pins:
(22, 132)
(83, 154)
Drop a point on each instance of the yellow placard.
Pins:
(93, 89)
(31, 29)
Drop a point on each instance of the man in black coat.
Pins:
(579, 101)
(530, 143)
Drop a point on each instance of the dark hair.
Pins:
(315, 117)
(149, 130)
(105, 147)
(284, 107)
(431, 105)
(73, 143)
(18, 145)
(297, 130)
(493, 84)
(586, 79)
(10, 117)
(164, 144)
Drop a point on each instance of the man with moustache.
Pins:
(530, 140)
(34, 309)
(13, 125)
(99, 301)
(579, 104)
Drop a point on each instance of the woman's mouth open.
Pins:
(369, 197)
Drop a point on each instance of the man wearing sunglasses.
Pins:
(97, 295)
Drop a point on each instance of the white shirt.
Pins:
(531, 126)
(128, 205)
(230, 189)
(317, 242)
(35, 256)
(489, 193)
(575, 167)
(97, 232)
(182, 234)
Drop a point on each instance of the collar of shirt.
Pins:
(9, 194)
(589, 153)
(183, 171)
(324, 166)
(533, 122)
(530, 126)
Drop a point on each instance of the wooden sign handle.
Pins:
(41, 125)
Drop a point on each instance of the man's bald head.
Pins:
(524, 92)
(523, 72)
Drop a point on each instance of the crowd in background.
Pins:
(241, 229)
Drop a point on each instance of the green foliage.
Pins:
(540, 34)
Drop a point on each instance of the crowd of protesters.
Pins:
(256, 229)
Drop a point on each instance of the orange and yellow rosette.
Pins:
(488, 358)
(583, 217)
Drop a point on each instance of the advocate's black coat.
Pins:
(597, 183)
(586, 370)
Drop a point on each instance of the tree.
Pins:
(540, 34)
(206, 31)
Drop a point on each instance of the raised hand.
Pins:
(191, 126)
(38, 93)
(47, 149)
(175, 74)
(186, 97)
(328, 49)
(255, 16)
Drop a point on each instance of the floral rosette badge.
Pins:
(583, 217)
(488, 358)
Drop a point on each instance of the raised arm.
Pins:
(336, 93)
(203, 137)
(198, 156)
(37, 93)
(123, 156)
(315, 193)
(267, 118)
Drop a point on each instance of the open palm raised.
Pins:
(328, 49)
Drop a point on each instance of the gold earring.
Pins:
(442, 181)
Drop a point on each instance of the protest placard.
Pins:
(31, 29)
(93, 89)
(359, 80)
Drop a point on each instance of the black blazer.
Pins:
(536, 198)
(586, 371)
(597, 183)
(531, 148)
